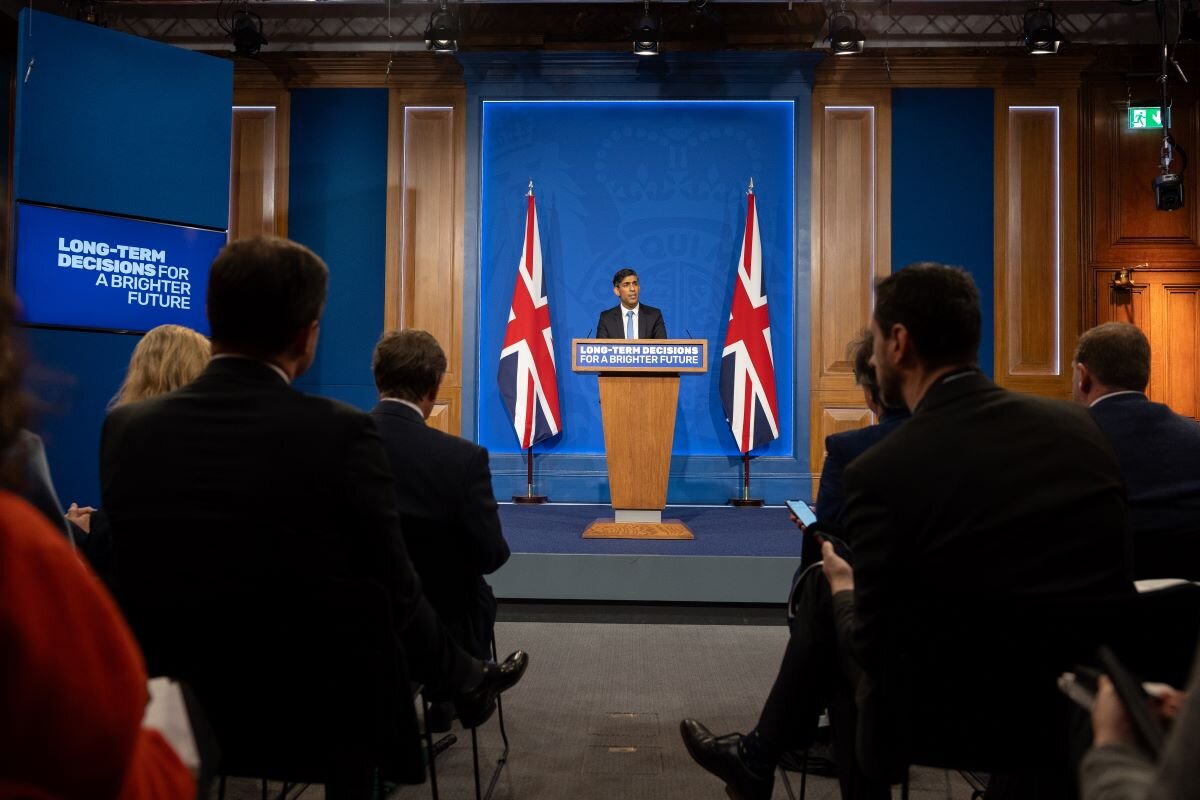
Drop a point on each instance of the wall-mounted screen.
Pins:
(77, 269)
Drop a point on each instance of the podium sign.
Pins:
(641, 355)
(639, 391)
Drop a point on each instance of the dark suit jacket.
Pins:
(240, 480)
(1159, 454)
(840, 450)
(611, 324)
(448, 513)
(975, 517)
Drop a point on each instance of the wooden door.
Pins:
(1165, 304)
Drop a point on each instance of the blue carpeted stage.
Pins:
(739, 555)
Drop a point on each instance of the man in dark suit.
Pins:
(1158, 450)
(842, 448)
(986, 505)
(240, 482)
(629, 319)
(443, 490)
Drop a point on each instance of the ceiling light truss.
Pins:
(337, 25)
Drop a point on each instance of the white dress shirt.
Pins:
(625, 320)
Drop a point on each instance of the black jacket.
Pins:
(611, 324)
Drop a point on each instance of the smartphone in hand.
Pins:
(801, 511)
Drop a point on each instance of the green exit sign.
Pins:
(1145, 117)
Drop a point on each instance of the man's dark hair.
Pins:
(408, 364)
(622, 274)
(1117, 354)
(860, 351)
(262, 292)
(938, 305)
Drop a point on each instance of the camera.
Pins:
(1168, 191)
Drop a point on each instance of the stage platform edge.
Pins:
(645, 578)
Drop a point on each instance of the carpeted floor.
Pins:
(719, 531)
(597, 715)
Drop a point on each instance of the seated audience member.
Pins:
(239, 481)
(72, 684)
(166, 358)
(32, 480)
(1158, 450)
(984, 500)
(1116, 768)
(842, 448)
(443, 490)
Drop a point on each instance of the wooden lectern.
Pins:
(639, 392)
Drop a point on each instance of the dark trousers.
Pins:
(432, 656)
(816, 674)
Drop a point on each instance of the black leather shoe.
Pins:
(722, 756)
(476, 706)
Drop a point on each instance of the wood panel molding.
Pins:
(952, 71)
(347, 71)
(423, 283)
(258, 195)
(1037, 286)
(851, 247)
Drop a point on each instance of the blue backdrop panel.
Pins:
(119, 125)
(655, 185)
(337, 206)
(942, 187)
(111, 122)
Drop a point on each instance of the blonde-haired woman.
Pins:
(167, 357)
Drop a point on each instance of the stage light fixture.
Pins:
(844, 36)
(1041, 34)
(246, 31)
(441, 34)
(645, 35)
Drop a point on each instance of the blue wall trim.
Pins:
(337, 202)
(760, 76)
(942, 188)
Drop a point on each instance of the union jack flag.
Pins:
(527, 379)
(747, 366)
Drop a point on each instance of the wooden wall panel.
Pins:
(424, 241)
(258, 187)
(1182, 323)
(851, 246)
(1037, 253)
(1124, 226)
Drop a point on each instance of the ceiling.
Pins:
(397, 26)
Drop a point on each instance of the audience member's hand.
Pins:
(1168, 699)
(837, 570)
(81, 517)
(795, 520)
(1110, 723)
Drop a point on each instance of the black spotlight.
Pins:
(1042, 37)
(844, 36)
(1168, 191)
(645, 35)
(441, 35)
(246, 31)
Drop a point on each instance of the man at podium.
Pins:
(630, 319)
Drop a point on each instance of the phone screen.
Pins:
(802, 511)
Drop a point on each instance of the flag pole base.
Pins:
(530, 499)
(745, 502)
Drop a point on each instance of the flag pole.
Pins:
(529, 498)
(746, 501)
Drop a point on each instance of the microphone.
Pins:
(589, 334)
(689, 333)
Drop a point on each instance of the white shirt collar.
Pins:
(275, 367)
(408, 403)
(1113, 394)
